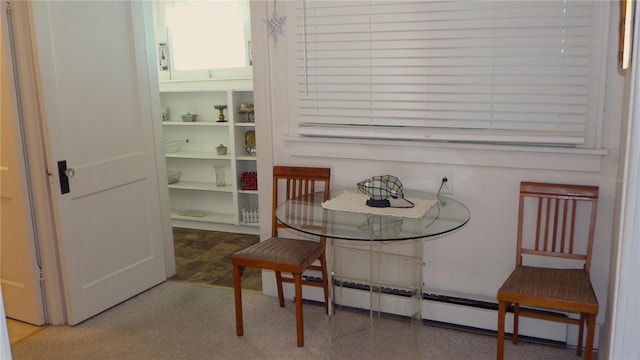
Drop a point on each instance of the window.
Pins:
(205, 39)
(513, 72)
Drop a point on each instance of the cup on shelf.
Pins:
(220, 175)
(165, 113)
(221, 150)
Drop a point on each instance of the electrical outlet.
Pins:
(447, 186)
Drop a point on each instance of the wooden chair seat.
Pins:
(568, 289)
(279, 254)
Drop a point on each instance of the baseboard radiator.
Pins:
(447, 299)
(451, 310)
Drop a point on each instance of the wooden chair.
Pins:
(554, 235)
(292, 256)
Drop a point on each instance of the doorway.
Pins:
(207, 229)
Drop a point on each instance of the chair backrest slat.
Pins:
(563, 236)
(546, 226)
(572, 228)
(556, 222)
(554, 237)
(538, 225)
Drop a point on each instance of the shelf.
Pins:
(197, 155)
(195, 158)
(210, 217)
(195, 123)
(202, 186)
(245, 124)
(206, 85)
(255, 192)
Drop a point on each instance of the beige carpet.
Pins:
(179, 320)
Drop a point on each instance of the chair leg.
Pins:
(237, 290)
(580, 334)
(279, 285)
(591, 329)
(502, 309)
(325, 281)
(516, 317)
(299, 324)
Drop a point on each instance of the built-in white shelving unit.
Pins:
(197, 201)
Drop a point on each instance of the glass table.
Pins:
(306, 214)
(379, 255)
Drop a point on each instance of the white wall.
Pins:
(477, 259)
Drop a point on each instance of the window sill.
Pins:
(506, 156)
(206, 85)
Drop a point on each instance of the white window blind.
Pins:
(478, 71)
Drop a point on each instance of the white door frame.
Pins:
(24, 295)
(38, 160)
(624, 294)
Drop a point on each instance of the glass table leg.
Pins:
(394, 321)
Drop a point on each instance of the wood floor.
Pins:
(204, 257)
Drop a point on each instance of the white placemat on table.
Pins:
(357, 202)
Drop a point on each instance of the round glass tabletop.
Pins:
(306, 214)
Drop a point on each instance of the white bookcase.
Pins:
(197, 201)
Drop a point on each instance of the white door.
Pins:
(97, 104)
(19, 269)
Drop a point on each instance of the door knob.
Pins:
(70, 172)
